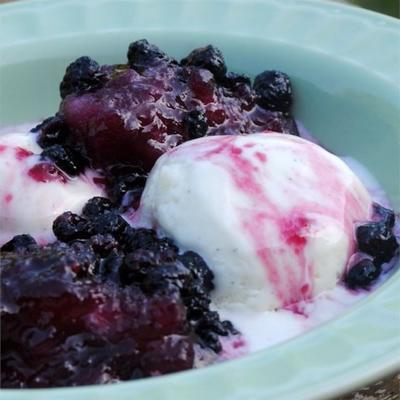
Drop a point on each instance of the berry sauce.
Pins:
(103, 303)
(141, 110)
(46, 172)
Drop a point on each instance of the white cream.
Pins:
(264, 329)
(271, 214)
(28, 205)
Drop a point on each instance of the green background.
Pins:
(389, 7)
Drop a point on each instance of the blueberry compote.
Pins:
(121, 118)
(106, 302)
(377, 245)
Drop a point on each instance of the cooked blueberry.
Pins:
(110, 266)
(83, 75)
(146, 239)
(53, 130)
(151, 270)
(70, 226)
(276, 121)
(197, 304)
(96, 206)
(127, 189)
(110, 222)
(195, 124)
(375, 239)
(209, 327)
(199, 268)
(362, 274)
(231, 80)
(229, 327)
(274, 91)
(142, 54)
(289, 126)
(103, 244)
(135, 268)
(141, 238)
(67, 159)
(19, 243)
(84, 255)
(385, 214)
(210, 339)
(208, 57)
(211, 321)
(173, 273)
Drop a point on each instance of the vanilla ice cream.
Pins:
(273, 215)
(32, 193)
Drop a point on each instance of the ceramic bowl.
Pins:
(345, 67)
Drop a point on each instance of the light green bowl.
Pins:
(345, 65)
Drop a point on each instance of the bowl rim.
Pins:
(385, 299)
(13, 5)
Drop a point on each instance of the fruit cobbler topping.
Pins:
(108, 301)
(121, 118)
(105, 302)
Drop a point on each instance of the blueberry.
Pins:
(375, 239)
(53, 130)
(208, 57)
(19, 244)
(210, 339)
(135, 267)
(197, 305)
(274, 91)
(195, 124)
(199, 268)
(96, 206)
(141, 238)
(385, 215)
(289, 125)
(232, 80)
(174, 273)
(103, 244)
(209, 327)
(148, 270)
(362, 274)
(129, 185)
(67, 159)
(84, 256)
(146, 239)
(110, 266)
(83, 75)
(69, 226)
(110, 222)
(229, 327)
(142, 54)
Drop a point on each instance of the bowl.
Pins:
(344, 65)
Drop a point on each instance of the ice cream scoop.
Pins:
(33, 192)
(273, 215)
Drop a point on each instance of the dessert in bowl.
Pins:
(120, 263)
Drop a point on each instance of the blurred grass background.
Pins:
(389, 7)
